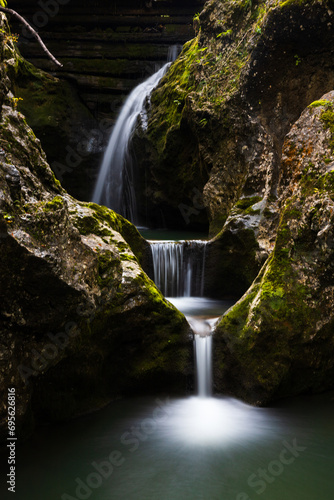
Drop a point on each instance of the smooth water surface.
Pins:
(185, 449)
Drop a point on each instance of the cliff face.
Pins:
(80, 321)
(106, 47)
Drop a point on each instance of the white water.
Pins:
(188, 449)
(115, 184)
(203, 349)
(202, 314)
(179, 272)
(179, 267)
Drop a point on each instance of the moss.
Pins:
(292, 3)
(235, 318)
(56, 204)
(326, 182)
(170, 94)
(128, 257)
(327, 117)
(277, 310)
(107, 262)
(118, 223)
(194, 107)
(90, 225)
(316, 104)
(245, 203)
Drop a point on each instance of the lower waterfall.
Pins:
(179, 272)
(203, 352)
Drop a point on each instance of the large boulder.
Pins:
(80, 321)
(278, 339)
(218, 119)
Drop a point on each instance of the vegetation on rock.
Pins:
(80, 321)
(278, 339)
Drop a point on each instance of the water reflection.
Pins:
(216, 421)
(185, 449)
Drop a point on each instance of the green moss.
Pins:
(316, 104)
(90, 225)
(327, 117)
(124, 227)
(56, 204)
(107, 262)
(171, 93)
(291, 3)
(128, 257)
(245, 203)
(326, 182)
(276, 307)
(235, 318)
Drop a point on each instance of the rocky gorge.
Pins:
(240, 139)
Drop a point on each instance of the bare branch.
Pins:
(31, 29)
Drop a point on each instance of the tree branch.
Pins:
(31, 29)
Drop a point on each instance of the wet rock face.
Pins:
(278, 340)
(80, 321)
(225, 106)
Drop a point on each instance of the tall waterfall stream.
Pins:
(115, 186)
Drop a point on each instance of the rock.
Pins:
(80, 321)
(277, 340)
(69, 133)
(219, 117)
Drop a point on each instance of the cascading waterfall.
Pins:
(115, 184)
(203, 352)
(179, 267)
(179, 271)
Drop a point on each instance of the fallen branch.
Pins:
(31, 29)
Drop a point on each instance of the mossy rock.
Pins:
(277, 341)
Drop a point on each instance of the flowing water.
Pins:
(179, 267)
(192, 448)
(115, 186)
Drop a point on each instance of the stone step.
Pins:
(119, 68)
(100, 50)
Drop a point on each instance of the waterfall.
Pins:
(115, 184)
(179, 267)
(179, 271)
(203, 351)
